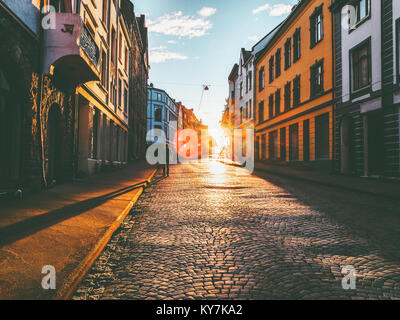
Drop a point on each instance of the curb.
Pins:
(79, 273)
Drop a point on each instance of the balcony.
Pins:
(71, 54)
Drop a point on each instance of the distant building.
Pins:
(241, 97)
(162, 113)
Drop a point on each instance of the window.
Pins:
(288, 90)
(126, 59)
(241, 90)
(261, 79)
(261, 112)
(125, 101)
(105, 11)
(158, 96)
(64, 6)
(278, 63)
(158, 114)
(294, 142)
(250, 108)
(104, 71)
(271, 69)
(250, 80)
(288, 53)
(296, 92)
(277, 102)
(296, 45)
(273, 145)
(233, 97)
(316, 26)
(113, 47)
(317, 78)
(360, 66)
(322, 136)
(119, 93)
(241, 115)
(271, 106)
(362, 10)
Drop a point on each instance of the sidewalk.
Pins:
(66, 227)
(380, 187)
(385, 188)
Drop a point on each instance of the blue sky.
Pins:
(196, 42)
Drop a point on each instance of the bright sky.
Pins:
(196, 42)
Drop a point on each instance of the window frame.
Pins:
(288, 53)
(278, 62)
(261, 79)
(271, 68)
(277, 102)
(271, 106)
(261, 111)
(367, 88)
(288, 93)
(297, 36)
(316, 66)
(359, 22)
(319, 11)
(297, 97)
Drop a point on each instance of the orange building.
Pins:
(294, 88)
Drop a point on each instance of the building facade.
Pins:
(241, 99)
(20, 79)
(367, 90)
(68, 71)
(294, 89)
(162, 114)
(138, 74)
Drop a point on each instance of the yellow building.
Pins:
(294, 88)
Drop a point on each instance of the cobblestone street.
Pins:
(210, 231)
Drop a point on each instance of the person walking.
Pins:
(166, 165)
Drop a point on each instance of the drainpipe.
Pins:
(333, 91)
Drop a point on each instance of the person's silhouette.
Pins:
(166, 165)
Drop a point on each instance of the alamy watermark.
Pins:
(49, 280)
(350, 278)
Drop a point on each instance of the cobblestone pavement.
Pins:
(211, 231)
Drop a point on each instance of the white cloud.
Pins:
(172, 42)
(280, 10)
(207, 12)
(179, 25)
(160, 54)
(276, 10)
(265, 7)
(254, 38)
